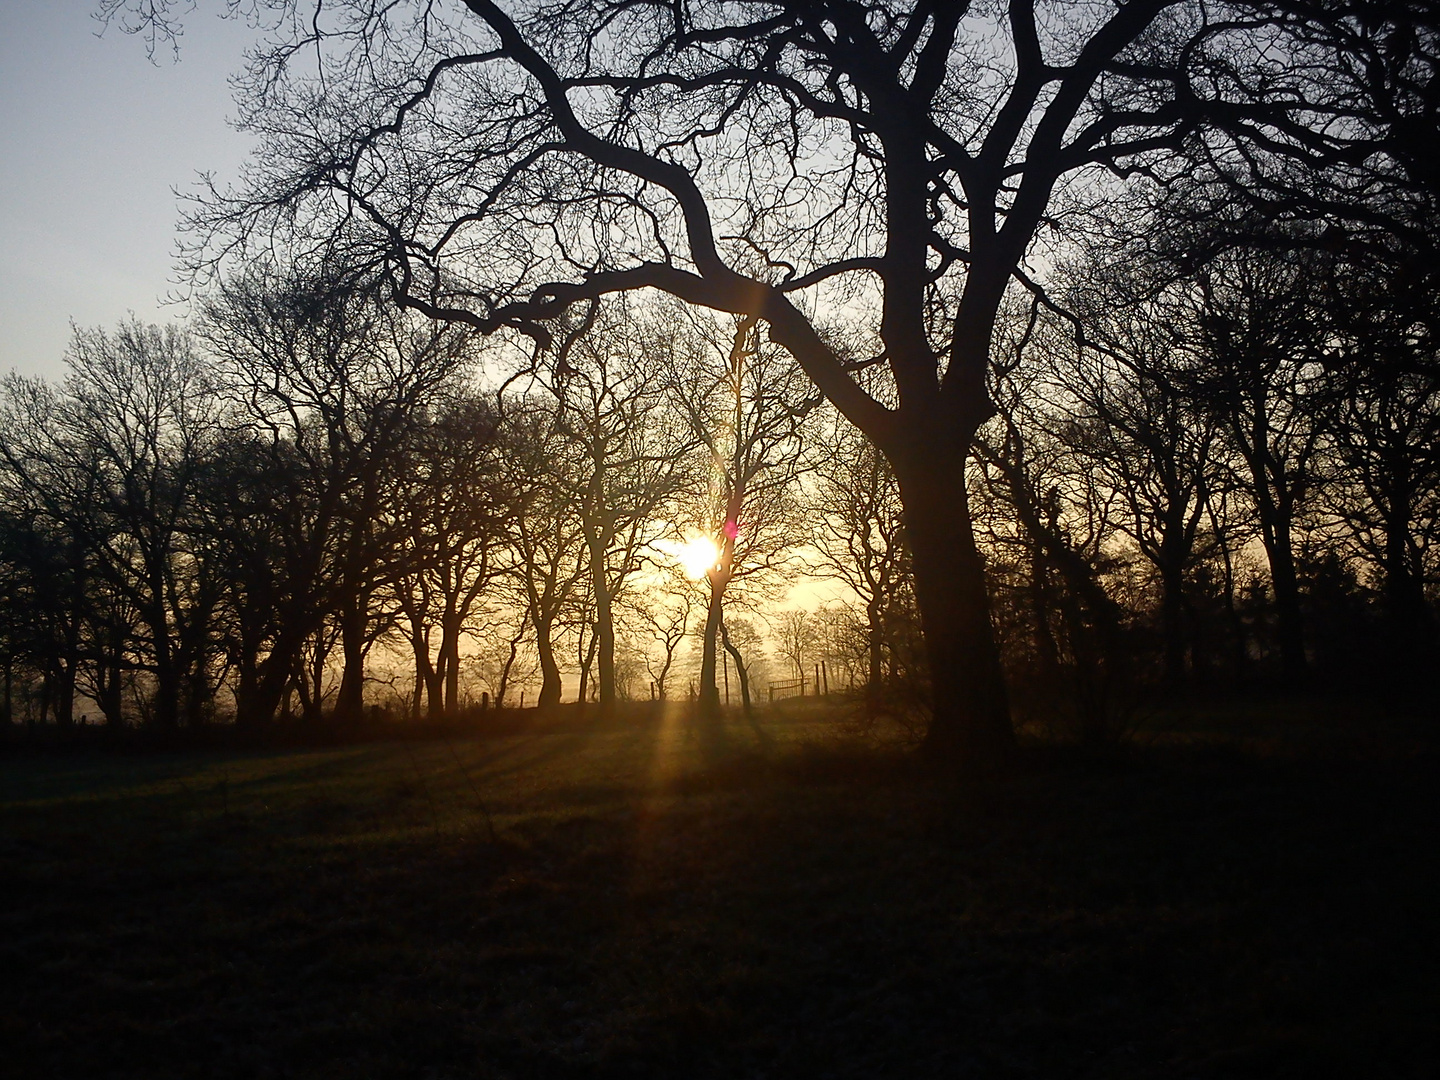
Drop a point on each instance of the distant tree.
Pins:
(631, 456)
(549, 559)
(662, 613)
(1261, 337)
(334, 383)
(742, 643)
(51, 544)
(858, 530)
(1136, 425)
(750, 416)
(112, 459)
(1379, 411)
(453, 503)
(796, 640)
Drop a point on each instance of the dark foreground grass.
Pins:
(651, 903)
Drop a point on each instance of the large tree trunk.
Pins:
(1172, 620)
(549, 667)
(709, 652)
(1273, 508)
(62, 696)
(450, 630)
(1280, 554)
(1047, 650)
(1411, 622)
(167, 677)
(875, 652)
(604, 627)
(354, 621)
(971, 727)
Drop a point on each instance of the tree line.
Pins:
(880, 191)
(1213, 465)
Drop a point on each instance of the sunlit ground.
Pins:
(658, 901)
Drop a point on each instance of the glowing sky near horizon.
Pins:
(94, 139)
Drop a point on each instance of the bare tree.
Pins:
(859, 531)
(549, 560)
(796, 639)
(750, 416)
(632, 455)
(1380, 454)
(1260, 337)
(1136, 425)
(454, 502)
(113, 459)
(333, 383)
(663, 611)
(498, 166)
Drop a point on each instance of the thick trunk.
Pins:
(247, 686)
(63, 695)
(604, 630)
(263, 683)
(1411, 622)
(167, 677)
(587, 663)
(425, 696)
(714, 612)
(1172, 619)
(1273, 508)
(875, 650)
(167, 670)
(971, 726)
(1280, 554)
(1047, 651)
(549, 667)
(350, 701)
(450, 661)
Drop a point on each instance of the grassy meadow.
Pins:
(642, 899)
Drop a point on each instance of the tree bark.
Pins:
(450, 629)
(740, 669)
(1411, 622)
(1172, 619)
(875, 652)
(971, 726)
(350, 701)
(604, 626)
(549, 667)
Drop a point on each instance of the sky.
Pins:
(95, 138)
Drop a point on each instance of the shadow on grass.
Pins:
(661, 904)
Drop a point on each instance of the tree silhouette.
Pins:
(496, 167)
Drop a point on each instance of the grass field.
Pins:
(637, 900)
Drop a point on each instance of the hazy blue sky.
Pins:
(93, 140)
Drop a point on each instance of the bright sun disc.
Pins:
(697, 555)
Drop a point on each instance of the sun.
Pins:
(697, 555)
